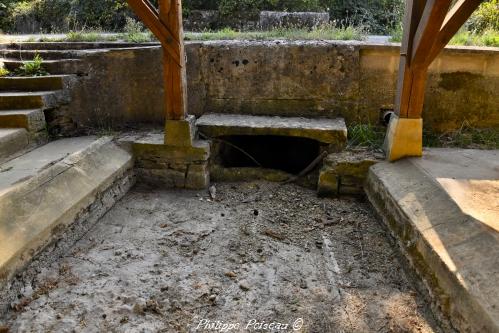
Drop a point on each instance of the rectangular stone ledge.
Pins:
(34, 212)
(64, 239)
(160, 153)
(454, 254)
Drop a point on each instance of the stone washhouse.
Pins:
(161, 134)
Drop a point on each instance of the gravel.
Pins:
(250, 257)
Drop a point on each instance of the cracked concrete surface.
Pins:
(164, 261)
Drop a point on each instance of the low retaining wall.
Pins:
(317, 78)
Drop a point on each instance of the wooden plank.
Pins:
(149, 15)
(454, 20)
(414, 11)
(174, 75)
(429, 26)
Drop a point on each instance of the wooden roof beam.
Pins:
(454, 20)
(150, 16)
(429, 26)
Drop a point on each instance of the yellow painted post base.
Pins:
(180, 133)
(404, 138)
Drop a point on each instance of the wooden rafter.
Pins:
(151, 18)
(429, 25)
(454, 20)
(166, 24)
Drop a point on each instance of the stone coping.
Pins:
(48, 190)
(275, 42)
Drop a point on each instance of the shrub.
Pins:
(135, 32)
(378, 16)
(4, 72)
(486, 17)
(64, 15)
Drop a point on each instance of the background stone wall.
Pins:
(123, 87)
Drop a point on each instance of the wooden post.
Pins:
(166, 25)
(175, 82)
(428, 27)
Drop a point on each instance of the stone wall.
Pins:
(316, 79)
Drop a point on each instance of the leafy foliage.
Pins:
(55, 15)
(4, 72)
(32, 68)
(486, 17)
(135, 32)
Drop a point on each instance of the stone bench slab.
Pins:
(327, 131)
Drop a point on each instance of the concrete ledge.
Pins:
(456, 254)
(34, 211)
(12, 140)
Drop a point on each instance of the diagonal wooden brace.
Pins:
(150, 16)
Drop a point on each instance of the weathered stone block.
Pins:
(172, 166)
(345, 173)
(198, 176)
(164, 177)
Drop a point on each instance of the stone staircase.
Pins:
(23, 101)
(48, 187)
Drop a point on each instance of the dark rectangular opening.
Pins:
(289, 154)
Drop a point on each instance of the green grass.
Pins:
(366, 135)
(465, 137)
(463, 38)
(396, 35)
(466, 38)
(139, 37)
(370, 136)
(327, 32)
(80, 36)
(134, 33)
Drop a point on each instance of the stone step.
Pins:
(33, 83)
(68, 183)
(326, 131)
(25, 55)
(65, 66)
(10, 100)
(32, 120)
(12, 140)
(74, 45)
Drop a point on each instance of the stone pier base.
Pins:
(404, 138)
(175, 160)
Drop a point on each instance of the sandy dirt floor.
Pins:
(260, 257)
